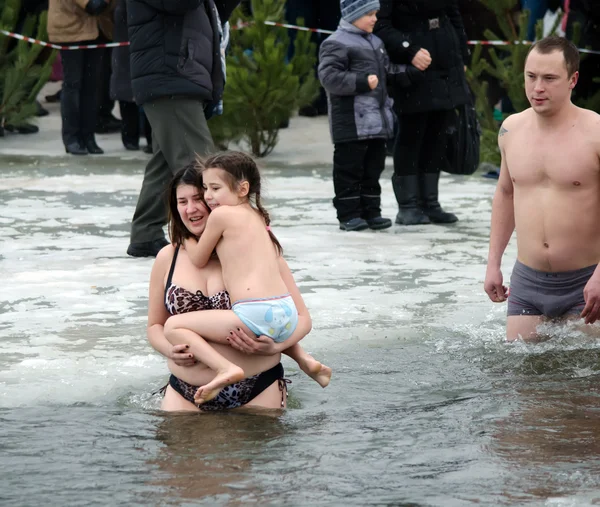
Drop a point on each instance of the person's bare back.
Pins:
(555, 174)
(245, 236)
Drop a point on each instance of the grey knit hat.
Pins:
(354, 9)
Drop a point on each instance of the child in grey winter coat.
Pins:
(353, 70)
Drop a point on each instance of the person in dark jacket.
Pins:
(428, 34)
(323, 14)
(80, 22)
(587, 14)
(353, 68)
(177, 76)
(120, 84)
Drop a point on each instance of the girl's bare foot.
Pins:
(223, 378)
(315, 370)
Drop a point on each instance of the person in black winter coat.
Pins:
(430, 35)
(587, 14)
(177, 75)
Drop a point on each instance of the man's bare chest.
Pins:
(558, 162)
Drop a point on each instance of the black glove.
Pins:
(96, 7)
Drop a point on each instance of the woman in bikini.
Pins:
(177, 286)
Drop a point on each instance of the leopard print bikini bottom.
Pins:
(235, 395)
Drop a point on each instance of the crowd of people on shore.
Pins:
(393, 70)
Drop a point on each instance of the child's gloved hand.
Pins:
(373, 81)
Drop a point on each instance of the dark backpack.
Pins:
(463, 135)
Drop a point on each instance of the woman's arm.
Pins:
(158, 314)
(263, 345)
(397, 43)
(201, 251)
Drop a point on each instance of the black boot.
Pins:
(76, 148)
(92, 147)
(406, 189)
(431, 206)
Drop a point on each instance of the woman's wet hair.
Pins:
(191, 175)
(240, 167)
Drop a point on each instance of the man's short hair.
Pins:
(553, 43)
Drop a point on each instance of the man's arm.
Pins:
(503, 224)
(591, 292)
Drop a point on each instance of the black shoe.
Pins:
(93, 148)
(1, 131)
(26, 128)
(355, 224)
(147, 249)
(284, 124)
(41, 111)
(131, 146)
(431, 206)
(148, 149)
(379, 223)
(76, 149)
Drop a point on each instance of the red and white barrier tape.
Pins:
(57, 46)
(270, 23)
(526, 42)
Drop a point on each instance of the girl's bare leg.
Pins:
(227, 372)
(309, 365)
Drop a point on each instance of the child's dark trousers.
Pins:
(357, 166)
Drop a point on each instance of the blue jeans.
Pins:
(537, 10)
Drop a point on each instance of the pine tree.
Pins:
(263, 88)
(506, 63)
(21, 77)
(506, 67)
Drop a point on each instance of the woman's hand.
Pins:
(262, 345)
(181, 355)
(422, 59)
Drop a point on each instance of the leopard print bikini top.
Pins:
(180, 300)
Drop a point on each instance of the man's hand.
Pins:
(373, 81)
(422, 59)
(262, 346)
(591, 294)
(493, 286)
(181, 355)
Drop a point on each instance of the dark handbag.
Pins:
(463, 136)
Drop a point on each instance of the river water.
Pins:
(427, 406)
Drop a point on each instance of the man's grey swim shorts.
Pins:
(553, 295)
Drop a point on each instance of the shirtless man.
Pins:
(549, 190)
